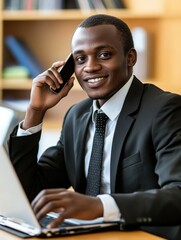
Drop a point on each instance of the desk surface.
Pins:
(133, 235)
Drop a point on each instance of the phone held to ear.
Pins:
(66, 72)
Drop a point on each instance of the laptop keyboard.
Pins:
(48, 219)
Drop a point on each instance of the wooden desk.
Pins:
(134, 235)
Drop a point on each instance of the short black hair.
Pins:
(121, 26)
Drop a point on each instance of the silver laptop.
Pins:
(17, 216)
(9, 119)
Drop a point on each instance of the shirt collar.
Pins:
(111, 107)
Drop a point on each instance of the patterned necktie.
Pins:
(95, 166)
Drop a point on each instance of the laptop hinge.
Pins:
(18, 225)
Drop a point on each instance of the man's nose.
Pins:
(92, 65)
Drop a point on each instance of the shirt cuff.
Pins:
(29, 131)
(110, 209)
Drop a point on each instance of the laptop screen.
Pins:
(13, 201)
(9, 119)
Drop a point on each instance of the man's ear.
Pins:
(132, 57)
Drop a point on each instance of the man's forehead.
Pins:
(97, 28)
(96, 38)
(93, 33)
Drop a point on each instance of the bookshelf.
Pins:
(48, 33)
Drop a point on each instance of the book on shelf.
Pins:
(61, 4)
(71, 4)
(141, 43)
(23, 55)
(14, 72)
(57, 4)
(40, 4)
(51, 4)
(12, 4)
(84, 4)
(109, 4)
(98, 4)
(28, 5)
(119, 3)
(91, 5)
(20, 4)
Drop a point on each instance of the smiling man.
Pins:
(141, 165)
(102, 63)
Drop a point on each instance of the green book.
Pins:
(15, 72)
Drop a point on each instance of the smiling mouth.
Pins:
(94, 80)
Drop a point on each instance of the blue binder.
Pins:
(23, 55)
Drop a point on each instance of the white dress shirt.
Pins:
(112, 109)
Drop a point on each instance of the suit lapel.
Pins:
(82, 126)
(125, 121)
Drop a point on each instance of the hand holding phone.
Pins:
(66, 72)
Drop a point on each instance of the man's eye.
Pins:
(80, 59)
(105, 55)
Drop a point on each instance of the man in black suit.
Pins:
(141, 173)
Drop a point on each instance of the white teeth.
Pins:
(93, 80)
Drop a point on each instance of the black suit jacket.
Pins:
(145, 159)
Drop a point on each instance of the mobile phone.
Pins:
(66, 72)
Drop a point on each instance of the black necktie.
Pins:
(95, 166)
